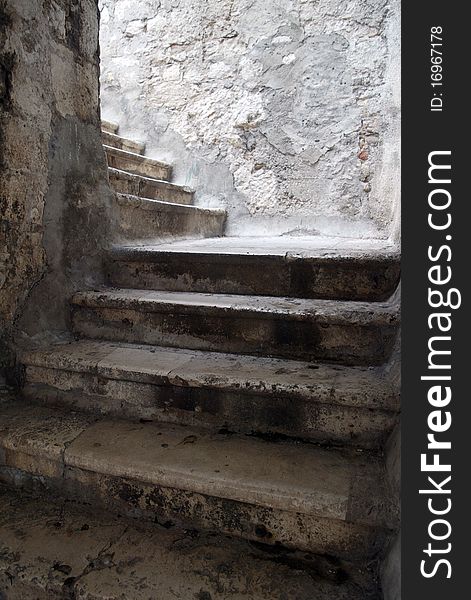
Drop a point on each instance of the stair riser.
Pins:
(149, 189)
(131, 498)
(215, 408)
(137, 223)
(271, 276)
(109, 127)
(260, 335)
(138, 166)
(122, 143)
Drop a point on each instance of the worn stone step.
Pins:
(147, 187)
(122, 143)
(300, 268)
(142, 218)
(137, 164)
(298, 495)
(323, 403)
(113, 557)
(109, 127)
(340, 331)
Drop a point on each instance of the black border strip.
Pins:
(425, 131)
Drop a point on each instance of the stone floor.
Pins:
(54, 550)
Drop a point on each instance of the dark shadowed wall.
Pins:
(54, 196)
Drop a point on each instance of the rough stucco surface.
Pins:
(285, 112)
(54, 196)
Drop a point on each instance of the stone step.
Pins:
(338, 331)
(67, 550)
(297, 495)
(137, 164)
(245, 394)
(109, 127)
(148, 187)
(237, 266)
(142, 218)
(116, 141)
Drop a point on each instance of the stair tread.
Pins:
(163, 206)
(157, 182)
(289, 476)
(149, 187)
(342, 385)
(112, 138)
(282, 246)
(45, 562)
(109, 126)
(135, 157)
(306, 267)
(332, 311)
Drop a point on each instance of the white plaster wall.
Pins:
(286, 112)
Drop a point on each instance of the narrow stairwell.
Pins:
(149, 206)
(227, 386)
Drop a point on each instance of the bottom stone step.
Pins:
(296, 495)
(52, 551)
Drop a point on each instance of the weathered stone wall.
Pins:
(284, 111)
(54, 196)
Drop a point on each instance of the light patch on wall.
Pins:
(277, 93)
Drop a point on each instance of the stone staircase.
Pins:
(149, 206)
(221, 386)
